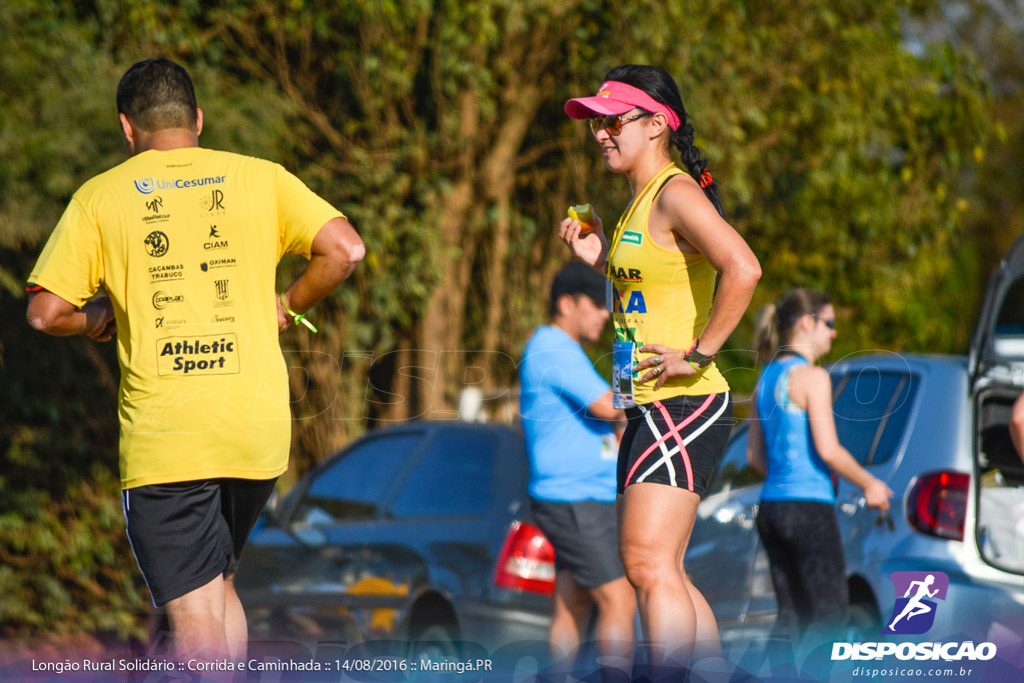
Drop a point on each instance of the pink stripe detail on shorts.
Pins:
(673, 430)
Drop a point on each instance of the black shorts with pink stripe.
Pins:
(676, 442)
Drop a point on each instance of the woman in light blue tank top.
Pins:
(793, 442)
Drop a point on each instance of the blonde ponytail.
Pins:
(766, 334)
(774, 323)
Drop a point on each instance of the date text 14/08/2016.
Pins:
(423, 664)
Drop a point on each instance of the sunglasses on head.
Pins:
(613, 124)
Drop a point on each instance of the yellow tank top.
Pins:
(660, 296)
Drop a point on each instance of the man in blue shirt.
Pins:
(568, 420)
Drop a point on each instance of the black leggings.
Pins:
(808, 570)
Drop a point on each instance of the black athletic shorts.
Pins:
(585, 538)
(676, 442)
(186, 534)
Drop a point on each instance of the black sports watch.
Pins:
(697, 359)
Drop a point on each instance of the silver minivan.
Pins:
(935, 429)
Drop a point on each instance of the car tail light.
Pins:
(527, 561)
(938, 504)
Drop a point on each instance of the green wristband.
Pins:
(297, 317)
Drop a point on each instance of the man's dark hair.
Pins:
(576, 279)
(157, 94)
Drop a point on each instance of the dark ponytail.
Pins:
(658, 84)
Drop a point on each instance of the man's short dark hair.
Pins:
(577, 279)
(157, 94)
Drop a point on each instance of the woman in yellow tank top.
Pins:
(668, 247)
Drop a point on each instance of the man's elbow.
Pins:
(347, 249)
(37, 322)
(44, 323)
(39, 318)
(355, 251)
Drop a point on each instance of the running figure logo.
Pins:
(914, 613)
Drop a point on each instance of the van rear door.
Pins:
(997, 349)
(996, 370)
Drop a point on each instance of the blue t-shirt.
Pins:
(795, 470)
(572, 454)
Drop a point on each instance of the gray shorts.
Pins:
(585, 538)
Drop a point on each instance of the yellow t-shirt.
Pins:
(186, 244)
(660, 296)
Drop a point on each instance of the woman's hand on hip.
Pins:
(666, 364)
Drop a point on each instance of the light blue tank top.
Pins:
(795, 470)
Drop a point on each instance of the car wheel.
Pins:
(436, 642)
(863, 622)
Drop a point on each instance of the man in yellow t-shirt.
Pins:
(185, 242)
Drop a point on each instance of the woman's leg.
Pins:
(824, 571)
(656, 524)
(784, 565)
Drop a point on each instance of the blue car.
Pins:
(935, 430)
(414, 534)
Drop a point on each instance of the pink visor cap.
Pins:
(614, 98)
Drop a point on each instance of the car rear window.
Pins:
(352, 486)
(455, 477)
(872, 408)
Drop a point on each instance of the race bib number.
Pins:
(622, 375)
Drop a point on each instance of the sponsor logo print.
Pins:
(223, 319)
(221, 288)
(154, 205)
(162, 300)
(212, 354)
(217, 263)
(627, 275)
(631, 237)
(914, 613)
(170, 324)
(157, 243)
(173, 271)
(634, 304)
(148, 185)
(213, 202)
(215, 240)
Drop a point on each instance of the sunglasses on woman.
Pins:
(613, 124)
(830, 323)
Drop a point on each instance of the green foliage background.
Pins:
(846, 158)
